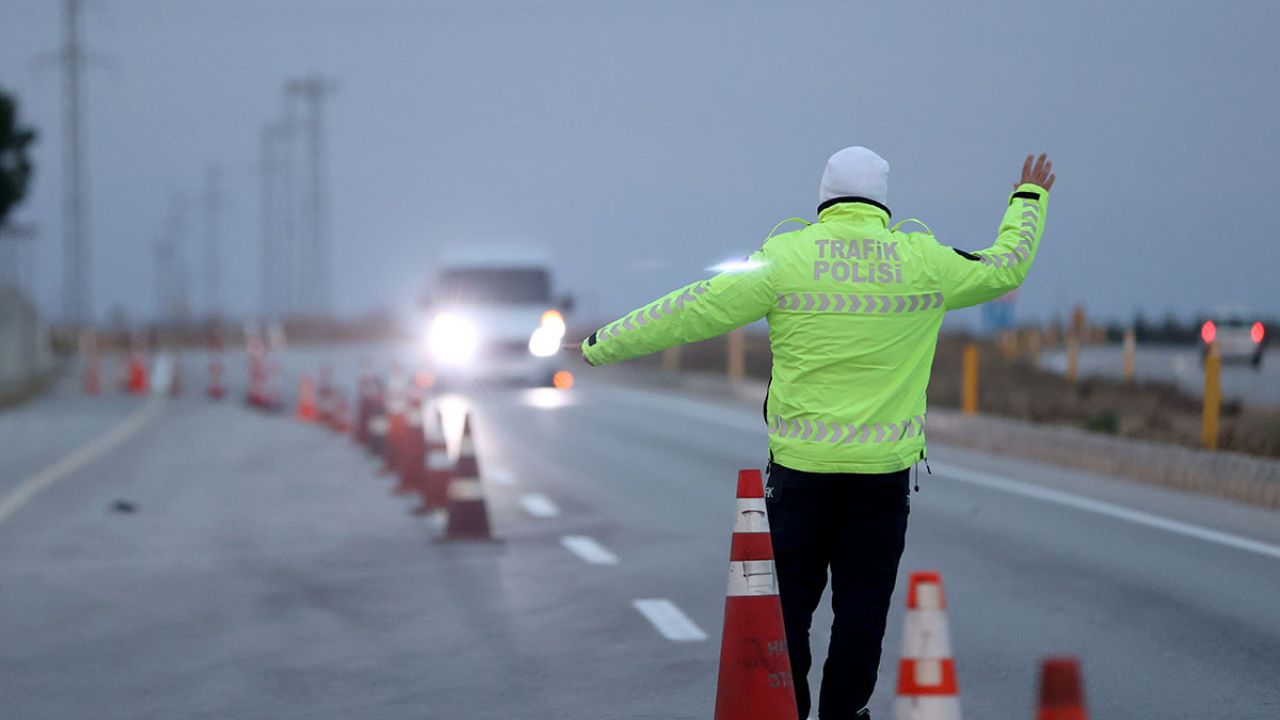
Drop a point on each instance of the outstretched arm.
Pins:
(695, 312)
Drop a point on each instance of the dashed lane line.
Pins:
(747, 422)
(500, 476)
(86, 454)
(669, 620)
(589, 550)
(539, 505)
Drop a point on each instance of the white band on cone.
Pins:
(466, 490)
(378, 425)
(932, 707)
(928, 596)
(439, 461)
(752, 577)
(926, 635)
(752, 517)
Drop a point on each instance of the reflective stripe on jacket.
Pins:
(854, 310)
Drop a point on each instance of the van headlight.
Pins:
(452, 339)
(545, 341)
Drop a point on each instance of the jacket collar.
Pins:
(853, 208)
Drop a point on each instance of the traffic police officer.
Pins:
(854, 307)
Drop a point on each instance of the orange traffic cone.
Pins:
(413, 449)
(216, 389)
(306, 411)
(138, 384)
(755, 669)
(439, 471)
(364, 404)
(394, 439)
(926, 670)
(262, 393)
(376, 440)
(468, 512)
(1061, 690)
(324, 397)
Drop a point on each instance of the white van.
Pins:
(491, 314)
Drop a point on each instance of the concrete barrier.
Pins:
(24, 341)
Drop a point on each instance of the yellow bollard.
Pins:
(1033, 347)
(969, 388)
(1073, 357)
(736, 368)
(1130, 350)
(1212, 398)
(671, 358)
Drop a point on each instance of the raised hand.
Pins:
(1040, 173)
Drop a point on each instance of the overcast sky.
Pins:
(644, 141)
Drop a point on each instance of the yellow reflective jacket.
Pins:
(854, 309)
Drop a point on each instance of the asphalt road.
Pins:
(268, 573)
(1257, 386)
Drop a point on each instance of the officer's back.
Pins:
(854, 309)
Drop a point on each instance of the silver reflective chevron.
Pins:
(835, 432)
(866, 304)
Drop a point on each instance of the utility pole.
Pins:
(75, 289)
(317, 273)
(213, 241)
(288, 273)
(171, 281)
(269, 235)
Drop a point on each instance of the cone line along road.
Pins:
(267, 570)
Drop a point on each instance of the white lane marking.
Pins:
(86, 454)
(667, 618)
(500, 476)
(589, 550)
(997, 482)
(743, 421)
(539, 505)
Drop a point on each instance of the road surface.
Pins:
(267, 572)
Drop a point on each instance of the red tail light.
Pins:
(1257, 332)
(1208, 331)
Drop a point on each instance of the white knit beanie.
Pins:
(855, 172)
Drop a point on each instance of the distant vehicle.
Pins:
(491, 314)
(1237, 332)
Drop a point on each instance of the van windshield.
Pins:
(496, 286)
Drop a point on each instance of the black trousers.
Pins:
(855, 526)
